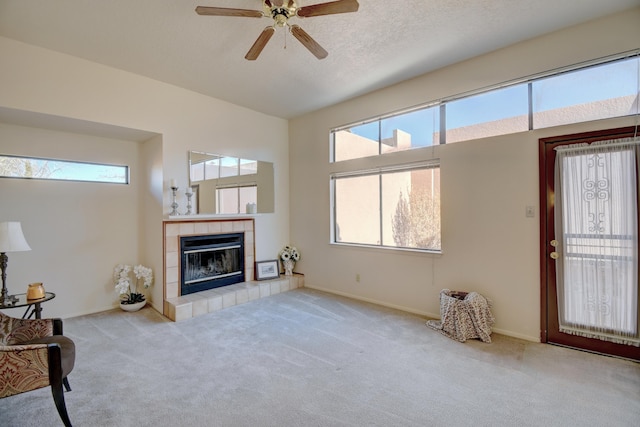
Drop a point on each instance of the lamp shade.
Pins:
(11, 237)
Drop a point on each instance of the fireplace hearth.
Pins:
(177, 306)
(211, 261)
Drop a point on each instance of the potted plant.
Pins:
(289, 255)
(126, 285)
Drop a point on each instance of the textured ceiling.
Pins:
(385, 42)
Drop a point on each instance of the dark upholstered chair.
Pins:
(35, 354)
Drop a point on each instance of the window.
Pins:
(602, 89)
(498, 112)
(399, 132)
(598, 92)
(397, 207)
(64, 170)
(356, 142)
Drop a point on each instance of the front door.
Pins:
(589, 266)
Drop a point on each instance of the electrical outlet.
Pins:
(530, 212)
(358, 277)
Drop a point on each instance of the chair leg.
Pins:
(56, 381)
(58, 398)
(65, 381)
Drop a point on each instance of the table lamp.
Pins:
(11, 240)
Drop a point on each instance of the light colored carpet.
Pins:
(306, 358)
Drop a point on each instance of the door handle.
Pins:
(554, 254)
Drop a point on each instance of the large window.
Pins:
(42, 168)
(603, 89)
(398, 207)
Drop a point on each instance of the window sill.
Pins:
(375, 248)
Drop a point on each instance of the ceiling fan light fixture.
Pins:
(280, 19)
(280, 11)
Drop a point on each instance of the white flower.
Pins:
(121, 272)
(289, 253)
(142, 272)
(126, 286)
(122, 286)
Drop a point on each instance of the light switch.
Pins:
(530, 212)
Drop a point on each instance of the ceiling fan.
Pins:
(280, 11)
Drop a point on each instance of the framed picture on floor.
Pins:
(267, 269)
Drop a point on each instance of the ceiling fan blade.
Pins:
(223, 11)
(339, 6)
(259, 44)
(308, 42)
(277, 3)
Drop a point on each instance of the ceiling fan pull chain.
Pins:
(285, 39)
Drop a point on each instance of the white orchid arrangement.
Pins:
(126, 285)
(289, 253)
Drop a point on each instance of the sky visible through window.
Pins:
(36, 168)
(591, 84)
(602, 82)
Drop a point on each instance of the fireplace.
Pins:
(211, 261)
(177, 305)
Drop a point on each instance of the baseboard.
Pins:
(515, 335)
(505, 332)
(374, 301)
(100, 310)
(86, 312)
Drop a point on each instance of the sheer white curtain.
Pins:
(596, 226)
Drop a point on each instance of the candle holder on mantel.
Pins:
(174, 205)
(189, 194)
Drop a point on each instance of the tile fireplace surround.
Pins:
(177, 307)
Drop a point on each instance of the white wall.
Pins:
(78, 231)
(150, 216)
(41, 81)
(489, 246)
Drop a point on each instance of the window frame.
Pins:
(442, 103)
(360, 166)
(379, 172)
(127, 170)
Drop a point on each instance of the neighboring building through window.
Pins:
(593, 93)
(607, 89)
(399, 205)
(400, 132)
(65, 170)
(397, 208)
